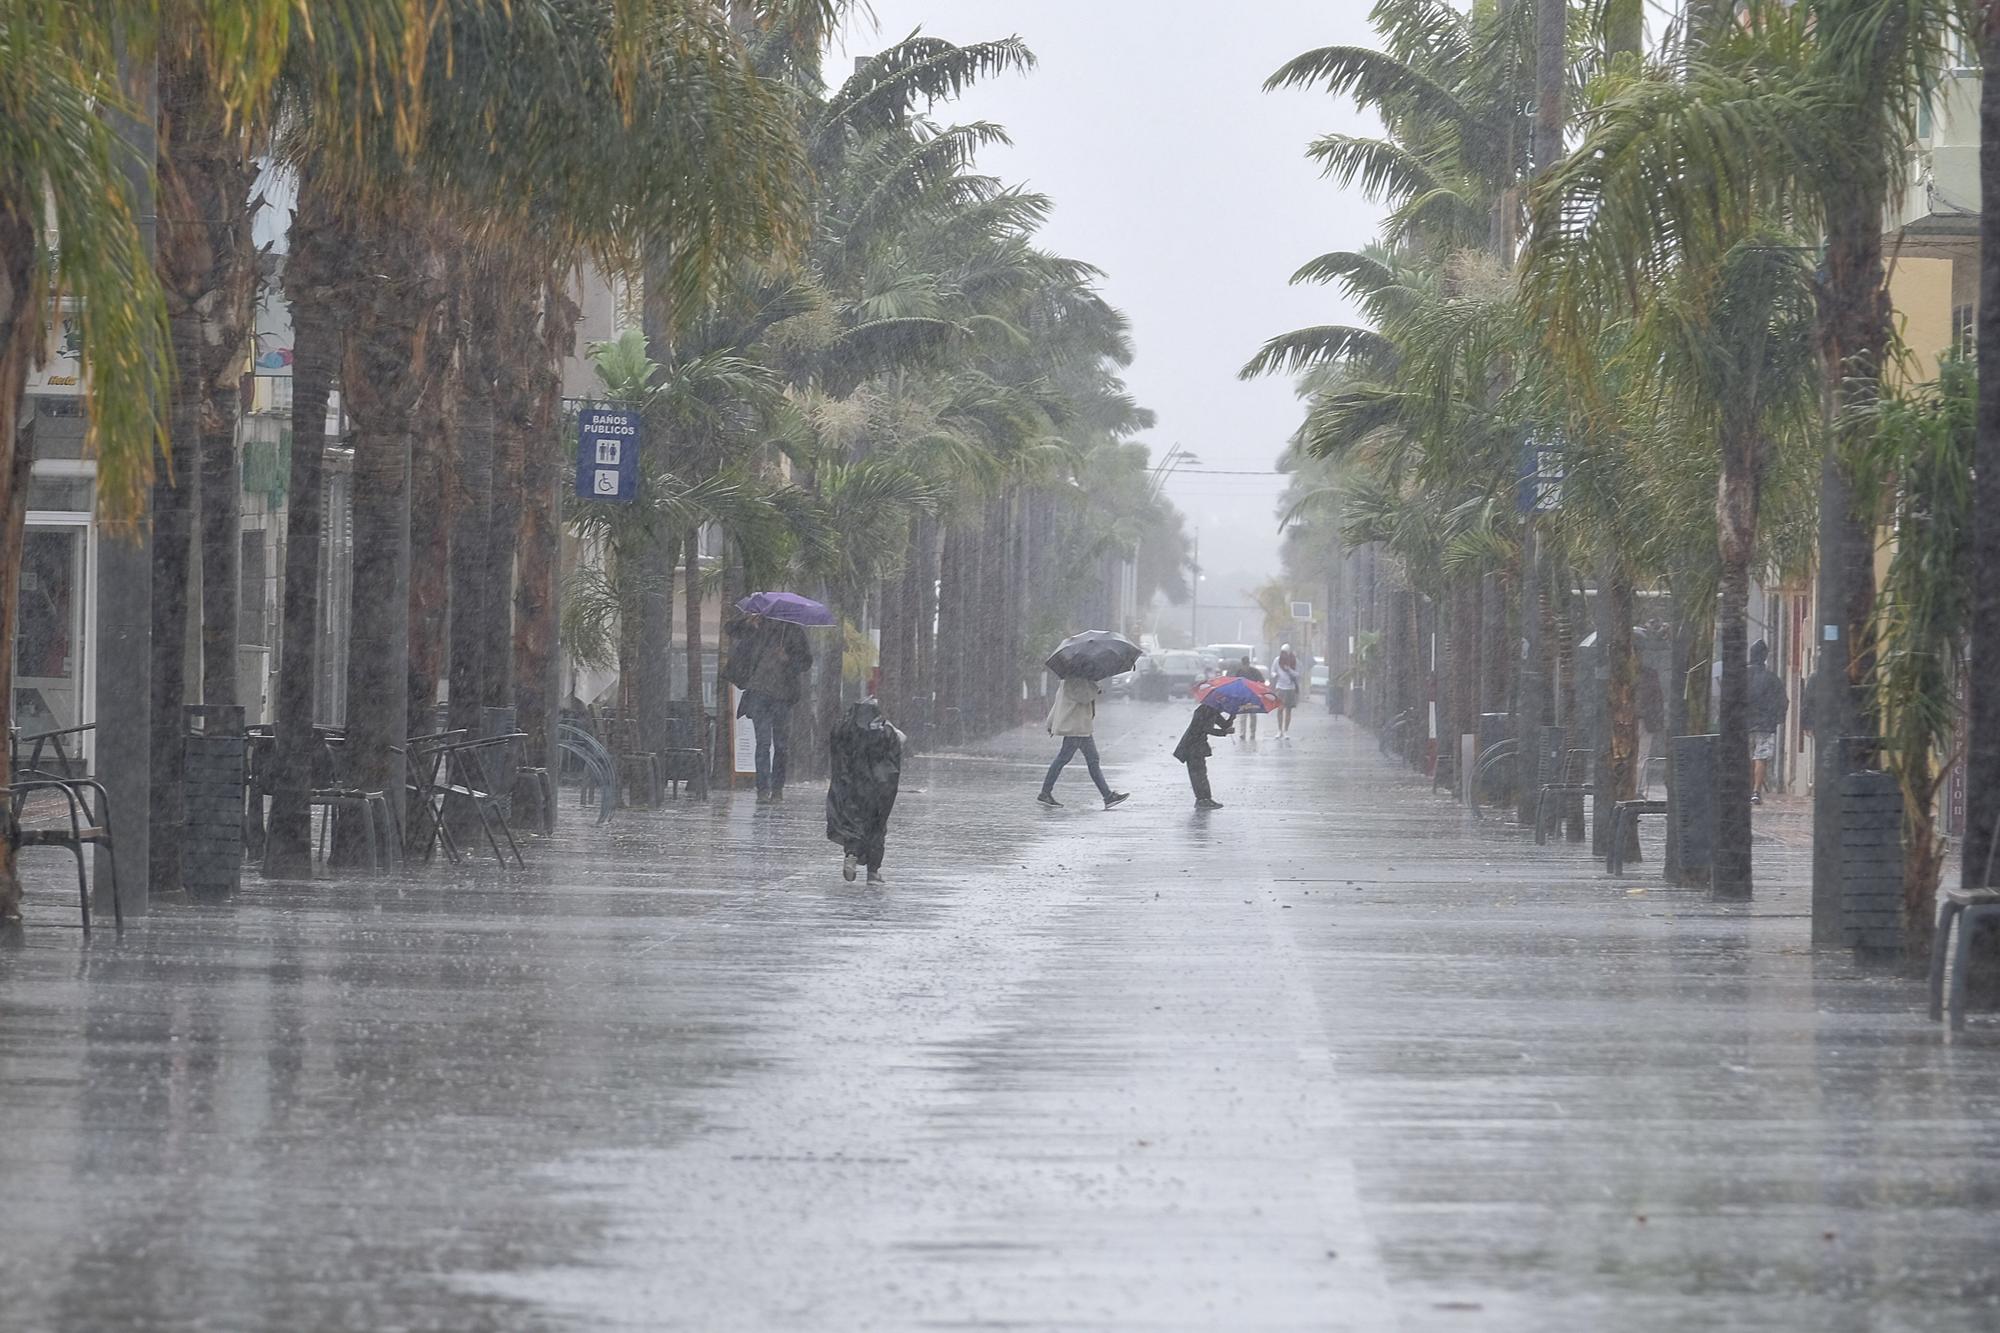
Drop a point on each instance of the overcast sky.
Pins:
(1173, 171)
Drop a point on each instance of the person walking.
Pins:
(1246, 670)
(1194, 751)
(1768, 705)
(1073, 716)
(768, 661)
(1285, 680)
(867, 767)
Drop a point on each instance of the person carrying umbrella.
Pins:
(867, 766)
(768, 661)
(1221, 700)
(1194, 751)
(1285, 677)
(1082, 661)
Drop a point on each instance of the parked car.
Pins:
(1320, 678)
(1225, 656)
(1125, 683)
(1182, 672)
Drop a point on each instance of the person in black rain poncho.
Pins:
(1194, 752)
(867, 766)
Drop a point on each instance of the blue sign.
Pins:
(1539, 489)
(607, 455)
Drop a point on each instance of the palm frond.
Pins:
(1303, 349)
(1382, 167)
(1373, 78)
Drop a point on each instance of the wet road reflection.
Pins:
(1333, 1057)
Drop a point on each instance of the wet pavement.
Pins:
(1335, 1057)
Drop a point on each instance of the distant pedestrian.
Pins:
(1768, 705)
(1073, 716)
(1194, 752)
(1247, 670)
(867, 767)
(1285, 680)
(768, 661)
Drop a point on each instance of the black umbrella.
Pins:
(1093, 655)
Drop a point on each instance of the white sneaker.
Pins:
(847, 867)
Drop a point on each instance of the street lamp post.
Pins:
(1194, 593)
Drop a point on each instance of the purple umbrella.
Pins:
(787, 606)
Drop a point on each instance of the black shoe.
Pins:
(1207, 804)
(1048, 798)
(1756, 798)
(875, 877)
(1117, 798)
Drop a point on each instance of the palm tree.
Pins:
(207, 269)
(1802, 112)
(1922, 474)
(1982, 756)
(643, 129)
(66, 172)
(1731, 343)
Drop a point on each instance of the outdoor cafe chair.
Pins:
(463, 767)
(84, 828)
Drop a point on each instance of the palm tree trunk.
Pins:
(1855, 328)
(1618, 778)
(1736, 520)
(173, 507)
(207, 264)
(433, 428)
(735, 587)
(946, 645)
(517, 367)
(320, 256)
(21, 332)
(1982, 755)
(470, 486)
(692, 631)
(537, 687)
(927, 612)
(652, 684)
(221, 544)
(391, 367)
(899, 628)
(1462, 646)
(654, 644)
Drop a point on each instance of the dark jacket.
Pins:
(1652, 701)
(1768, 702)
(1205, 723)
(766, 657)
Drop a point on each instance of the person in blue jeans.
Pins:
(1072, 717)
(768, 660)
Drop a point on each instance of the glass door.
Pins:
(49, 683)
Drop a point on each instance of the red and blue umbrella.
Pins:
(1238, 694)
(787, 606)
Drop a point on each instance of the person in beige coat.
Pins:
(1072, 717)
